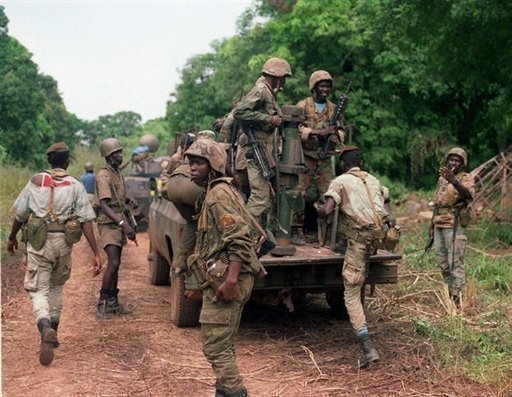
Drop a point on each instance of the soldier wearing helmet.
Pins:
(455, 190)
(319, 142)
(259, 111)
(225, 236)
(112, 225)
(51, 202)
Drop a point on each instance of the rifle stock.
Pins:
(257, 152)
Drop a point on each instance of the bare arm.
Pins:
(327, 209)
(89, 235)
(229, 289)
(12, 243)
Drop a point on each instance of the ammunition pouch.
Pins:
(37, 232)
(72, 230)
(391, 238)
(217, 272)
(365, 236)
(464, 216)
(197, 266)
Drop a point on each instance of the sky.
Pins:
(111, 56)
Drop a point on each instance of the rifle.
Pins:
(257, 152)
(127, 216)
(339, 110)
(233, 147)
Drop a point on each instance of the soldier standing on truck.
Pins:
(365, 217)
(51, 202)
(455, 190)
(224, 262)
(113, 224)
(259, 111)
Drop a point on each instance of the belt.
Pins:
(444, 210)
(364, 236)
(55, 227)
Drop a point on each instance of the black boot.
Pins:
(113, 302)
(103, 309)
(239, 393)
(370, 354)
(54, 323)
(48, 340)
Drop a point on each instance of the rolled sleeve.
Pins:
(20, 208)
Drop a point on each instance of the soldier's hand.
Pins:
(228, 291)
(276, 121)
(127, 229)
(447, 174)
(326, 131)
(133, 203)
(96, 266)
(12, 246)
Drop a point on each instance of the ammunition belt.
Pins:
(55, 227)
(444, 210)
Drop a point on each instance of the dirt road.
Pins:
(280, 354)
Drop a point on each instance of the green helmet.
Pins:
(277, 67)
(151, 141)
(109, 146)
(89, 166)
(318, 76)
(211, 151)
(459, 152)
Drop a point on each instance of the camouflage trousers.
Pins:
(47, 271)
(354, 275)
(451, 259)
(316, 182)
(219, 324)
(259, 199)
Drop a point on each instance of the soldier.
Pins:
(112, 225)
(455, 190)
(225, 239)
(260, 111)
(50, 203)
(87, 180)
(361, 201)
(319, 141)
(183, 193)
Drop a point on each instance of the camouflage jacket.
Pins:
(109, 184)
(349, 192)
(313, 145)
(257, 109)
(447, 197)
(224, 226)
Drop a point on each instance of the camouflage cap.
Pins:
(206, 134)
(57, 147)
(211, 151)
(459, 152)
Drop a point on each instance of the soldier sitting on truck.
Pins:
(365, 217)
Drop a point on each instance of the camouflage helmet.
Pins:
(211, 151)
(206, 134)
(318, 76)
(459, 152)
(151, 141)
(109, 146)
(89, 166)
(277, 67)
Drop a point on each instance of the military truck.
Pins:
(311, 268)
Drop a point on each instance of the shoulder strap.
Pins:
(376, 217)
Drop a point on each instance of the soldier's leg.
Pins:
(219, 323)
(457, 268)
(259, 200)
(441, 247)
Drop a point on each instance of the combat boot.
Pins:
(113, 303)
(239, 393)
(370, 354)
(48, 339)
(103, 309)
(54, 323)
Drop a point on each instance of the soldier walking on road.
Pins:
(319, 139)
(113, 226)
(455, 190)
(365, 217)
(224, 262)
(87, 180)
(259, 111)
(54, 209)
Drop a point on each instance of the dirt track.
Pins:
(305, 354)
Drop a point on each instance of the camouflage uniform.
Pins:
(257, 108)
(50, 267)
(109, 184)
(450, 259)
(362, 224)
(315, 183)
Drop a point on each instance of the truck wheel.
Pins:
(184, 311)
(158, 269)
(336, 301)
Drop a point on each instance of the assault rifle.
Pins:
(339, 111)
(257, 152)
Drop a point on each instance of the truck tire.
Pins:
(158, 269)
(184, 311)
(336, 301)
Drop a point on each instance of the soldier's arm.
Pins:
(447, 174)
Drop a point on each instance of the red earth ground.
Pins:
(307, 353)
